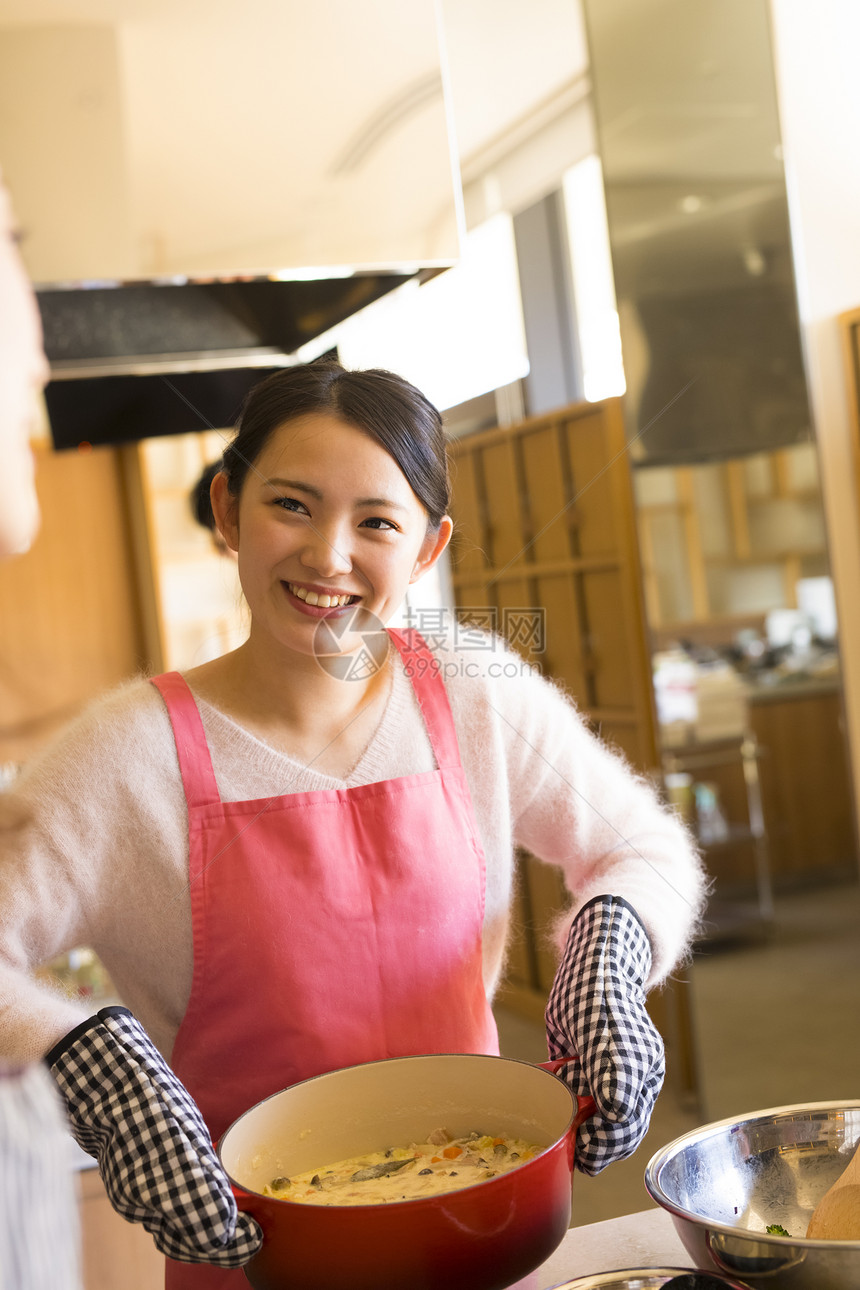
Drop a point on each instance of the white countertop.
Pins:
(645, 1240)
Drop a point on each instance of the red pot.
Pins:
(482, 1237)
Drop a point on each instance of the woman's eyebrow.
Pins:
(296, 485)
(315, 492)
(380, 501)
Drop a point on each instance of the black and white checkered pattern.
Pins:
(155, 1156)
(597, 1009)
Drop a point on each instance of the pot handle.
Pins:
(585, 1106)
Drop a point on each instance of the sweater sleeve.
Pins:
(72, 832)
(576, 803)
(33, 1015)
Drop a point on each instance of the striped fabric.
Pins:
(597, 1009)
(39, 1226)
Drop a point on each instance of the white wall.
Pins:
(816, 52)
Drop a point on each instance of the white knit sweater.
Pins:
(94, 838)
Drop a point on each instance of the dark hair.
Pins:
(201, 506)
(379, 403)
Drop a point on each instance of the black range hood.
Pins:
(135, 361)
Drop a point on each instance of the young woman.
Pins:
(299, 856)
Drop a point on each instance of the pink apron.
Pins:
(330, 928)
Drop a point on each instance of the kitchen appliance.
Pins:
(135, 361)
(483, 1237)
(200, 207)
(726, 1182)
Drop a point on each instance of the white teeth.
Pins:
(322, 600)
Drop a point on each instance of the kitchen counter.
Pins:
(645, 1240)
(800, 687)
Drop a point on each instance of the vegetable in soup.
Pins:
(441, 1164)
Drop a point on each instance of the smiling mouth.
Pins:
(320, 599)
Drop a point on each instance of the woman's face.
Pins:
(23, 372)
(326, 520)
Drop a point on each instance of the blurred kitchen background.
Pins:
(615, 241)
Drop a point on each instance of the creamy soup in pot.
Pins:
(441, 1164)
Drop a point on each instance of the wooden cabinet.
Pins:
(198, 609)
(545, 523)
(806, 785)
(116, 1255)
(724, 541)
(70, 609)
(545, 526)
(788, 802)
(120, 580)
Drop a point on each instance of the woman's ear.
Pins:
(225, 510)
(432, 547)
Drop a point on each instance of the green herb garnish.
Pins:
(776, 1229)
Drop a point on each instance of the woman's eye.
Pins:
(377, 522)
(291, 504)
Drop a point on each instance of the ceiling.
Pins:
(343, 103)
(505, 59)
(210, 139)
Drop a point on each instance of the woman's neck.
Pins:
(291, 701)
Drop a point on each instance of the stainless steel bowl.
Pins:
(725, 1183)
(639, 1279)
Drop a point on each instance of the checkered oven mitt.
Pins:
(156, 1159)
(597, 1009)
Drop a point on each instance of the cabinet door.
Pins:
(545, 525)
(70, 624)
(545, 528)
(115, 1253)
(806, 787)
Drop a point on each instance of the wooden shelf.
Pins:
(699, 521)
(544, 516)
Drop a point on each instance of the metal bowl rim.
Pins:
(598, 1279)
(664, 1154)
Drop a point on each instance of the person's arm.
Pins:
(578, 804)
(85, 859)
(128, 1110)
(596, 1009)
(43, 916)
(94, 852)
(636, 887)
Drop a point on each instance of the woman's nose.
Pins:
(326, 551)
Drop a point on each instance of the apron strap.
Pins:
(422, 668)
(195, 762)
